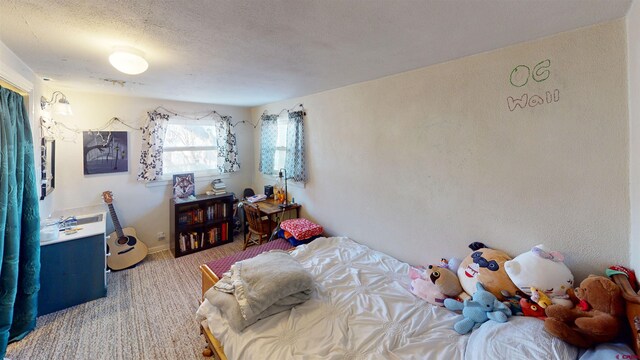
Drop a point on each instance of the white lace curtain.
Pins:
(227, 146)
(153, 135)
(152, 146)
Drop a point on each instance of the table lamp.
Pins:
(285, 202)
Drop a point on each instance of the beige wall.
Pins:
(633, 44)
(146, 208)
(422, 163)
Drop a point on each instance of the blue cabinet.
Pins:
(72, 272)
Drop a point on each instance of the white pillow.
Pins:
(519, 338)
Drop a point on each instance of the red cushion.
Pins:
(301, 229)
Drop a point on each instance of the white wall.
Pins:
(145, 208)
(633, 44)
(422, 163)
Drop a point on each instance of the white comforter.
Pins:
(361, 308)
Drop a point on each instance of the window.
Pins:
(281, 143)
(189, 146)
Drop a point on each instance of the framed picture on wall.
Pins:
(105, 152)
(184, 185)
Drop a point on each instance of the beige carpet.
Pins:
(149, 313)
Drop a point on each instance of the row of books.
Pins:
(198, 216)
(199, 239)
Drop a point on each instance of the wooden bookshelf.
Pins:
(201, 224)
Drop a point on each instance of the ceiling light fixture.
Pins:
(128, 60)
(59, 101)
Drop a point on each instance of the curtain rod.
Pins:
(287, 110)
(210, 113)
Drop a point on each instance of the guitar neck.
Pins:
(116, 222)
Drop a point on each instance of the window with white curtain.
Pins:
(281, 143)
(190, 146)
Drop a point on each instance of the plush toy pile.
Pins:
(489, 285)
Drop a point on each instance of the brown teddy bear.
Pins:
(596, 318)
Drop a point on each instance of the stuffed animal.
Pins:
(513, 301)
(598, 320)
(482, 307)
(530, 308)
(544, 270)
(540, 298)
(486, 266)
(424, 288)
(446, 281)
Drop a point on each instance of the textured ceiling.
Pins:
(251, 52)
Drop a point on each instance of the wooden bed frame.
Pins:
(632, 298)
(209, 278)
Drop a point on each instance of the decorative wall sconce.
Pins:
(59, 103)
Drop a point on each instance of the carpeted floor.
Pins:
(149, 313)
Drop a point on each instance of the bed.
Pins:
(361, 308)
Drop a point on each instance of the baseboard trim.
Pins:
(158, 248)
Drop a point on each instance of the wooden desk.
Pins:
(275, 213)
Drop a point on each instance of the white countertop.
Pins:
(85, 230)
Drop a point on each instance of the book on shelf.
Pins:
(191, 217)
(183, 243)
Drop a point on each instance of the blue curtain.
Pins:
(268, 138)
(19, 222)
(294, 160)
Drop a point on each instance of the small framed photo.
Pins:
(184, 185)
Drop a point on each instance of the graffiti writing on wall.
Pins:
(521, 75)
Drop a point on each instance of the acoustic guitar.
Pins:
(126, 250)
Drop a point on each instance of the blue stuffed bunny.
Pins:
(482, 307)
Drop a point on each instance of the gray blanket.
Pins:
(259, 287)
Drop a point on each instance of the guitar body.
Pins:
(125, 251)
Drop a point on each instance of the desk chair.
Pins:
(257, 226)
(248, 192)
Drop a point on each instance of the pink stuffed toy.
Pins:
(423, 288)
